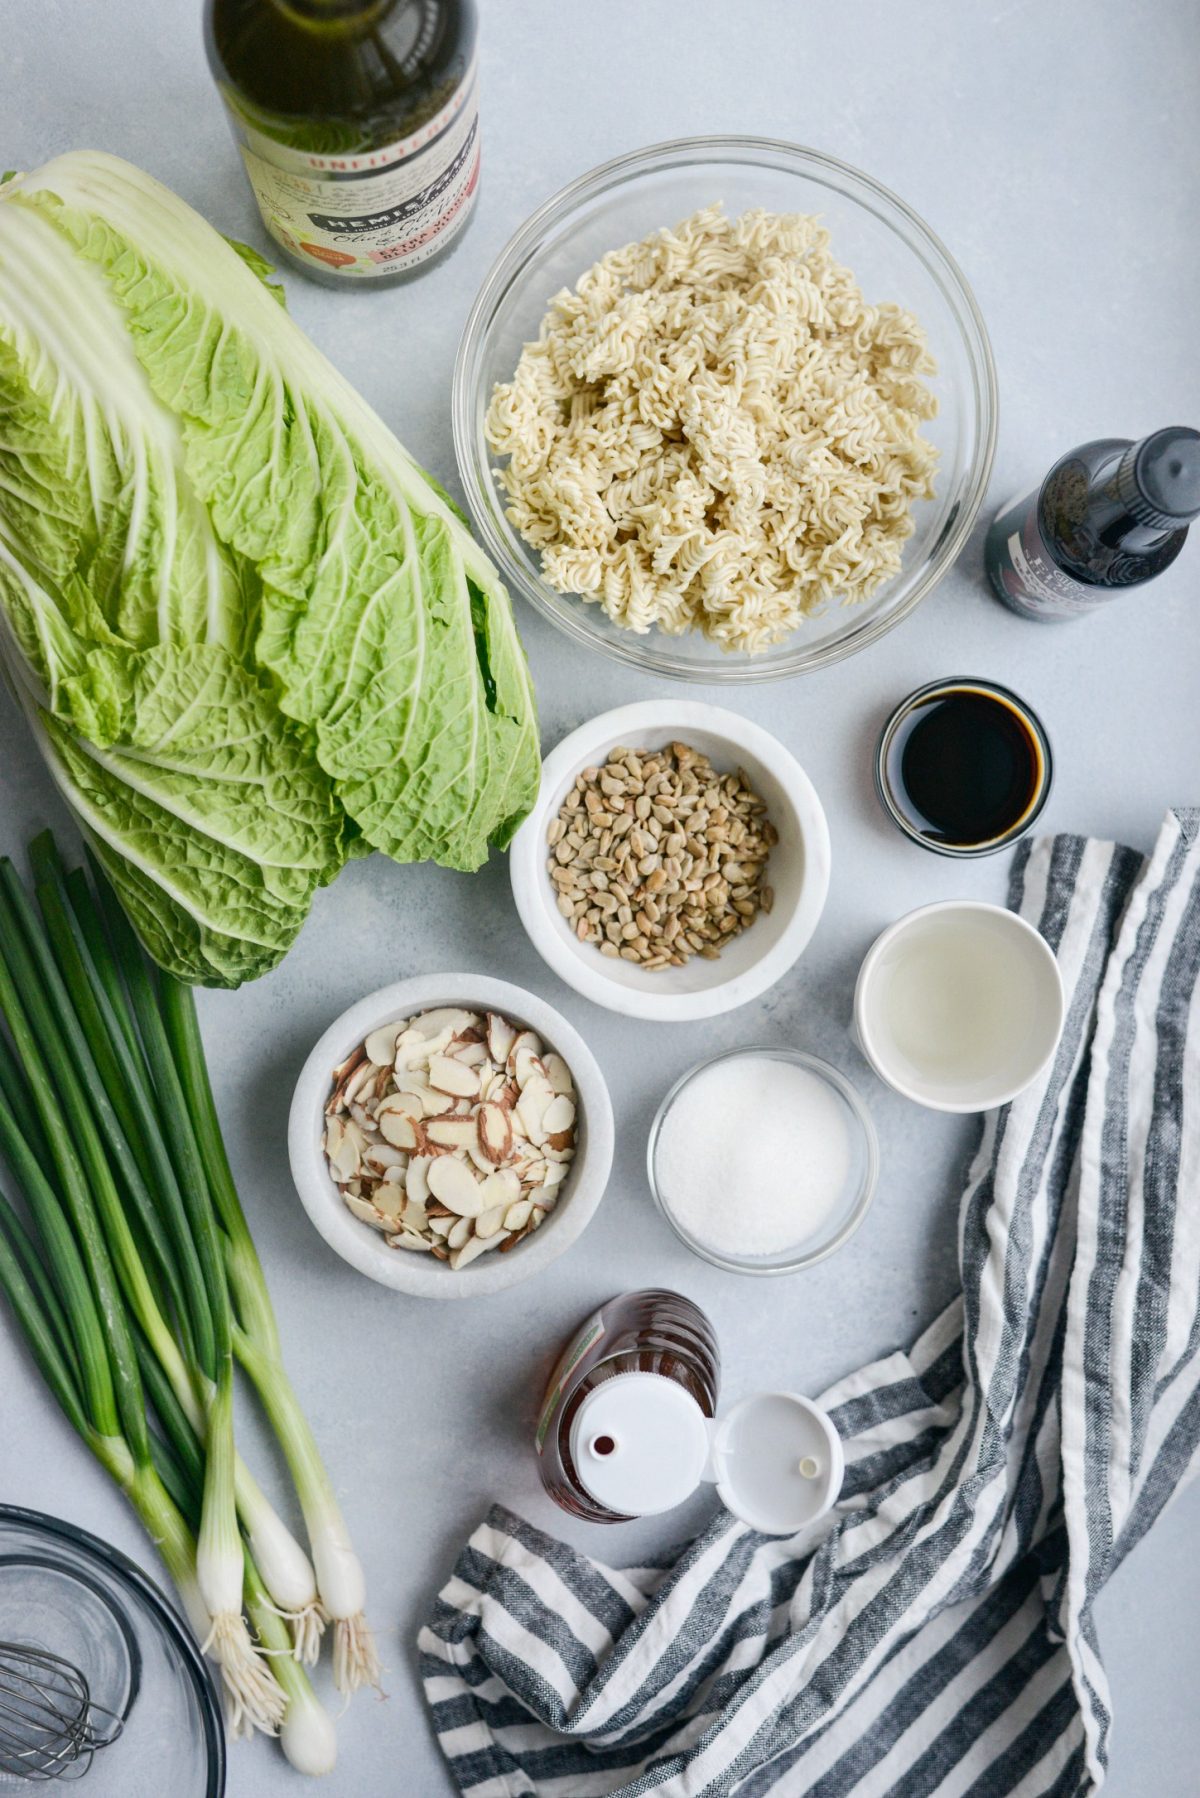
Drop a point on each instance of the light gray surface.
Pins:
(1052, 146)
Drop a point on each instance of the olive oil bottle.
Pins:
(358, 123)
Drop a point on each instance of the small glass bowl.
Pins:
(861, 1178)
(894, 806)
(895, 257)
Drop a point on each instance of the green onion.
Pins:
(340, 1580)
(132, 1272)
(56, 1063)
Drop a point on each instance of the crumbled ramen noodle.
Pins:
(715, 432)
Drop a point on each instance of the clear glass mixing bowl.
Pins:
(894, 256)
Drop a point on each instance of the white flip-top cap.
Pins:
(640, 1444)
(778, 1462)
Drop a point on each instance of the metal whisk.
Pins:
(49, 1726)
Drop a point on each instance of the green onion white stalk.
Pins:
(307, 1734)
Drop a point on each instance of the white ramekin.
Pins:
(1013, 1076)
(364, 1248)
(798, 870)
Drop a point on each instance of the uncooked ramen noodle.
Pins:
(715, 432)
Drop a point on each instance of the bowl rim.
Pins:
(856, 1104)
(527, 874)
(349, 1237)
(482, 499)
(909, 1090)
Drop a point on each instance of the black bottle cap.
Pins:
(1159, 478)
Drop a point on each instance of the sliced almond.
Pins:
(470, 1251)
(502, 1188)
(524, 1043)
(537, 1216)
(404, 1239)
(561, 1144)
(389, 1199)
(537, 1096)
(442, 1226)
(418, 1088)
(556, 1173)
(495, 1132)
(451, 1132)
(411, 1102)
(452, 1181)
(362, 1074)
(558, 1074)
(471, 1054)
(415, 1183)
(559, 1117)
(436, 1248)
(444, 1018)
(410, 1049)
(488, 1222)
(525, 1064)
(346, 1158)
(500, 1037)
(362, 1117)
(341, 1077)
(416, 1220)
(446, 1075)
(381, 1044)
(517, 1216)
(459, 1233)
(399, 1129)
(366, 1211)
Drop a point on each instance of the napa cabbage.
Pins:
(251, 634)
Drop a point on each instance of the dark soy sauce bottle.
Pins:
(1110, 514)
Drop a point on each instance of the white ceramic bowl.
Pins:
(959, 1005)
(363, 1247)
(798, 870)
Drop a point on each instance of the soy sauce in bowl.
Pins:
(963, 767)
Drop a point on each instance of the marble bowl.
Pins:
(421, 1276)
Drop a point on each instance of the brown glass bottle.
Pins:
(358, 124)
(651, 1332)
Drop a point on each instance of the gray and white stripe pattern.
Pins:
(934, 1634)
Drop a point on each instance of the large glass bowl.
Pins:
(894, 256)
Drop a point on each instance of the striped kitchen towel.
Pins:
(934, 1634)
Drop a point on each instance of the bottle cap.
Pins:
(1158, 479)
(640, 1444)
(778, 1462)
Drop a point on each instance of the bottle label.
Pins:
(371, 213)
(576, 1349)
(1023, 572)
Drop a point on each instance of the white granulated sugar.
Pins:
(753, 1156)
